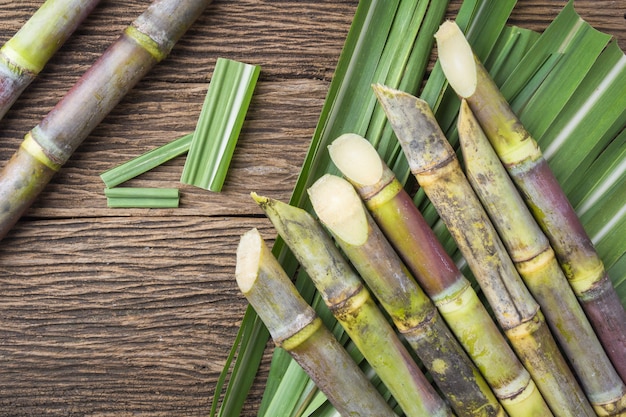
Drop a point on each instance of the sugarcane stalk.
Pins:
(295, 327)
(24, 55)
(534, 259)
(525, 163)
(341, 210)
(434, 164)
(350, 302)
(406, 229)
(51, 143)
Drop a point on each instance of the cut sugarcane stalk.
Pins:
(341, 210)
(415, 242)
(51, 143)
(346, 296)
(24, 55)
(437, 170)
(295, 327)
(524, 162)
(534, 259)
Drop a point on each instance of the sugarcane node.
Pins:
(22, 73)
(299, 337)
(351, 305)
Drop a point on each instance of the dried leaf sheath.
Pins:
(524, 162)
(404, 226)
(51, 143)
(437, 170)
(346, 296)
(295, 327)
(341, 210)
(537, 264)
(24, 55)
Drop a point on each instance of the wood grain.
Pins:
(132, 312)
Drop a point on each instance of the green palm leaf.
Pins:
(555, 84)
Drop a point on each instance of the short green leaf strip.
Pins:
(143, 163)
(136, 197)
(220, 122)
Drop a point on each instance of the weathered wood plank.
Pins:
(135, 315)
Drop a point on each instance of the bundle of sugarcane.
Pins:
(24, 55)
(437, 170)
(350, 302)
(416, 243)
(341, 210)
(295, 327)
(535, 260)
(530, 172)
(51, 143)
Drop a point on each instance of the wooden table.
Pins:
(133, 311)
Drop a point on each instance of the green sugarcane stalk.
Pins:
(295, 327)
(437, 170)
(50, 144)
(341, 210)
(24, 55)
(524, 162)
(350, 302)
(406, 229)
(534, 259)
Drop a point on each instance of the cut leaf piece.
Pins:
(219, 125)
(135, 197)
(147, 161)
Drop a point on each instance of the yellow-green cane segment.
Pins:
(524, 162)
(24, 55)
(437, 170)
(403, 224)
(295, 327)
(350, 302)
(336, 203)
(535, 260)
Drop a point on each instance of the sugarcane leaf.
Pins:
(607, 169)
(578, 46)
(286, 397)
(589, 121)
(247, 350)
(605, 223)
(618, 274)
(511, 46)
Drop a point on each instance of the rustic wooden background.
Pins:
(133, 312)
